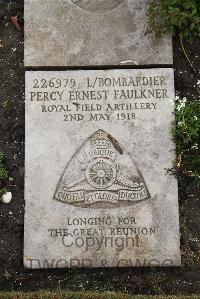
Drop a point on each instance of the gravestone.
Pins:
(91, 32)
(98, 145)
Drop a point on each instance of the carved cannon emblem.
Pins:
(101, 175)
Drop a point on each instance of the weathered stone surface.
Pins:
(96, 32)
(97, 147)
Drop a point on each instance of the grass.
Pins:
(84, 295)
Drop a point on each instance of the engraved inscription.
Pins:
(101, 173)
(98, 144)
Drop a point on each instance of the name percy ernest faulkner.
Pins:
(141, 87)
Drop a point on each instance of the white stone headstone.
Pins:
(94, 32)
(98, 144)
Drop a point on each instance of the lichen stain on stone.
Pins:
(116, 144)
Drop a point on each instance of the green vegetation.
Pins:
(186, 132)
(3, 173)
(84, 295)
(175, 16)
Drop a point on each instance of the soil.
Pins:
(13, 276)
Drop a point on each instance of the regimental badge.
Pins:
(101, 175)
